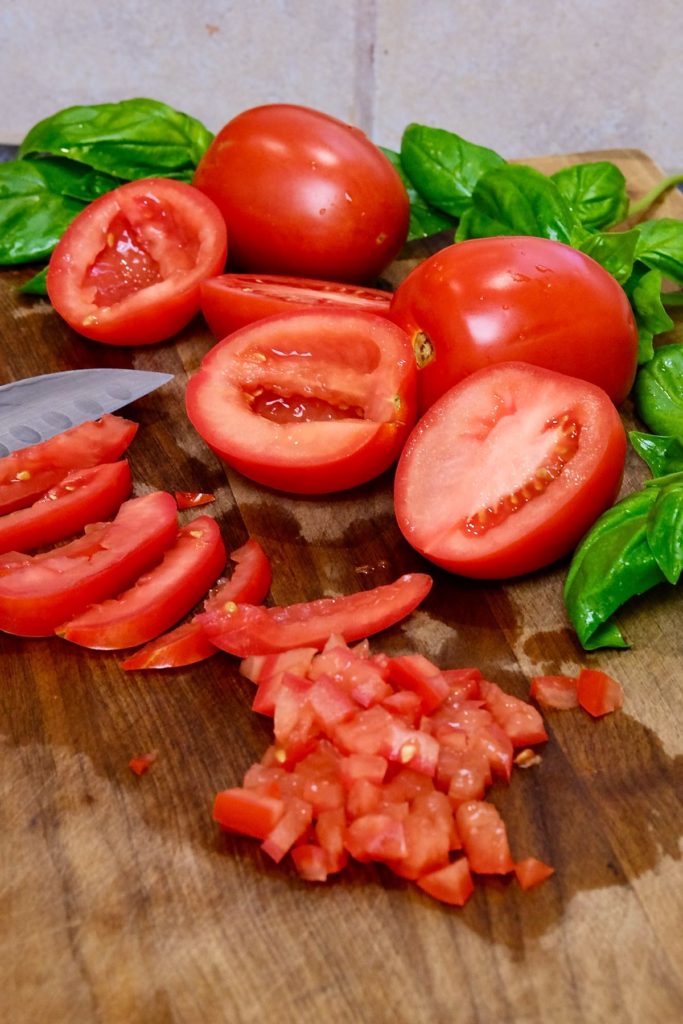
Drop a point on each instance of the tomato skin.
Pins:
(304, 194)
(177, 237)
(232, 301)
(506, 471)
(308, 403)
(598, 693)
(516, 299)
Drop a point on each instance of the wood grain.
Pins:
(120, 902)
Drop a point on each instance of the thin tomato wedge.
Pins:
(127, 270)
(598, 693)
(193, 499)
(188, 643)
(308, 402)
(252, 629)
(159, 597)
(83, 496)
(26, 474)
(506, 472)
(232, 301)
(40, 592)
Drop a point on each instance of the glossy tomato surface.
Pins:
(309, 402)
(305, 194)
(507, 470)
(492, 300)
(127, 270)
(231, 301)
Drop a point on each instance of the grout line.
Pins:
(364, 66)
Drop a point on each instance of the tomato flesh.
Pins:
(507, 471)
(598, 693)
(557, 692)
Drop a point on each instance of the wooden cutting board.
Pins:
(121, 902)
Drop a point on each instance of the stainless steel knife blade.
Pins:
(33, 409)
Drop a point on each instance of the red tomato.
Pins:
(40, 592)
(193, 499)
(160, 597)
(598, 693)
(127, 270)
(305, 194)
(141, 764)
(556, 692)
(246, 811)
(531, 872)
(507, 471)
(309, 402)
(484, 838)
(451, 884)
(232, 301)
(532, 300)
(28, 473)
(83, 496)
(253, 629)
(518, 720)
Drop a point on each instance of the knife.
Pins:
(36, 408)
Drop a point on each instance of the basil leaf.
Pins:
(68, 178)
(596, 192)
(613, 563)
(658, 392)
(33, 217)
(665, 530)
(35, 285)
(661, 454)
(661, 246)
(518, 200)
(425, 220)
(443, 167)
(644, 291)
(135, 138)
(615, 251)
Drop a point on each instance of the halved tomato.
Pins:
(507, 470)
(309, 402)
(232, 301)
(127, 270)
(28, 473)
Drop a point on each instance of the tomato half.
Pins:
(127, 269)
(159, 597)
(308, 402)
(305, 194)
(232, 301)
(83, 496)
(28, 473)
(532, 300)
(39, 592)
(506, 472)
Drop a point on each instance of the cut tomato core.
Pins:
(300, 408)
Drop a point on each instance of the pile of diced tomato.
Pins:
(383, 758)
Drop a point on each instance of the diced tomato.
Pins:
(311, 861)
(247, 811)
(484, 838)
(532, 872)
(261, 667)
(193, 499)
(468, 773)
(598, 693)
(521, 721)
(427, 830)
(556, 692)
(293, 823)
(405, 703)
(451, 884)
(330, 831)
(463, 682)
(363, 797)
(331, 704)
(372, 767)
(417, 673)
(143, 762)
(376, 837)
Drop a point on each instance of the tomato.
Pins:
(40, 592)
(83, 496)
(308, 402)
(232, 301)
(557, 692)
(305, 194)
(127, 269)
(253, 629)
(507, 471)
(518, 720)
(531, 872)
(507, 299)
(598, 693)
(484, 838)
(141, 764)
(160, 596)
(188, 643)
(193, 499)
(451, 884)
(28, 473)
(246, 811)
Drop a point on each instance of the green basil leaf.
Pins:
(517, 200)
(425, 220)
(33, 217)
(665, 530)
(661, 454)
(443, 167)
(661, 246)
(644, 291)
(135, 138)
(35, 285)
(68, 178)
(613, 563)
(614, 250)
(596, 192)
(658, 392)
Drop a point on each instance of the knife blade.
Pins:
(36, 408)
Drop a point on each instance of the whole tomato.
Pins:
(304, 194)
(522, 299)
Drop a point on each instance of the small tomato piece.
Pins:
(532, 872)
(598, 693)
(557, 692)
(451, 884)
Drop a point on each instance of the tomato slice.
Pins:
(159, 597)
(83, 496)
(127, 269)
(308, 402)
(26, 474)
(506, 472)
(232, 301)
(188, 643)
(193, 499)
(39, 592)
(598, 693)
(252, 629)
